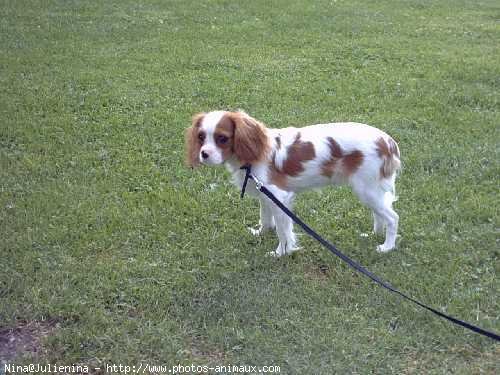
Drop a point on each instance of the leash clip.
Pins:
(258, 183)
(248, 174)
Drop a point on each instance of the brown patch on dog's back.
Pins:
(329, 166)
(352, 161)
(344, 164)
(298, 153)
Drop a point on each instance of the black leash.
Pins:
(349, 261)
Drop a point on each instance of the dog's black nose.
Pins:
(204, 155)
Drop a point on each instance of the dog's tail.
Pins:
(389, 152)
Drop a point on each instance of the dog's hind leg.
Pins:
(380, 201)
(378, 223)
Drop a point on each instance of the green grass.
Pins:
(138, 258)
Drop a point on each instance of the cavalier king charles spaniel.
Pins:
(291, 159)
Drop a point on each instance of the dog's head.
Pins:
(218, 136)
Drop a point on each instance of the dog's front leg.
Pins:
(284, 225)
(266, 218)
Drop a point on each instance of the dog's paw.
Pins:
(280, 251)
(273, 254)
(259, 231)
(255, 232)
(384, 248)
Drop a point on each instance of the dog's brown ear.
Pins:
(193, 144)
(250, 139)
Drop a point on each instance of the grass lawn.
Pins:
(112, 251)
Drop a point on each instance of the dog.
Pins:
(291, 159)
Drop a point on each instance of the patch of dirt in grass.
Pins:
(317, 272)
(199, 351)
(23, 339)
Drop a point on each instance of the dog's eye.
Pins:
(222, 139)
(201, 137)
